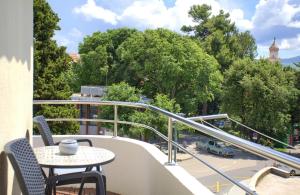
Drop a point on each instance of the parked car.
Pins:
(216, 147)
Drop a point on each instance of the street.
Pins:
(241, 167)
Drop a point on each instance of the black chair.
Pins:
(46, 134)
(32, 180)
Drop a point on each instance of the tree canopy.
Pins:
(220, 37)
(50, 63)
(155, 61)
(154, 120)
(164, 62)
(296, 106)
(99, 62)
(259, 93)
(124, 92)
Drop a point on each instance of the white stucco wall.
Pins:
(16, 80)
(139, 168)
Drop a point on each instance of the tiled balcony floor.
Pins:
(74, 191)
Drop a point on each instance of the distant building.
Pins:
(75, 57)
(90, 93)
(94, 94)
(273, 56)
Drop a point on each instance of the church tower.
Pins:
(273, 57)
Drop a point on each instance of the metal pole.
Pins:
(115, 120)
(170, 138)
(175, 140)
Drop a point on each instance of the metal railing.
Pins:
(225, 116)
(236, 141)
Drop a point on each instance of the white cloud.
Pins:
(237, 15)
(290, 44)
(91, 10)
(275, 12)
(154, 13)
(62, 40)
(75, 33)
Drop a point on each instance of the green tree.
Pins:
(119, 92)
(50, 63)
(259, 93)
(295, 112)
(219, 36)
(155, 120)
(124, 92)
(164, 62)
(99, 63)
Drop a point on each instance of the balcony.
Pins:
(150, 170)
(139, 168)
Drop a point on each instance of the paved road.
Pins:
(225, 185)
(243, 166)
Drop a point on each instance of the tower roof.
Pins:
(274, 47)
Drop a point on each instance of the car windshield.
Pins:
(221, 144)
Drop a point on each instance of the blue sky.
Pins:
(265, 19)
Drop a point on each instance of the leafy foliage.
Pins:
(219, 36)
(259, 93)
(164, 62)
(50, 63)
(123, 92)
(119, 92)
(295, 112)
(99, 62)
(155, 120)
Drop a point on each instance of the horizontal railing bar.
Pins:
(80, 120)
(100, 103)
(236, 141)
(276, 140)
(209, 117)
(145, 126)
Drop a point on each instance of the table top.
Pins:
(49, 156)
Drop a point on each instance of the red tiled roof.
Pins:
(75, 57)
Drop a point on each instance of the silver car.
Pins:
(219, 147)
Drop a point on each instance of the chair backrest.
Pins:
(26, 167)
(44, 130)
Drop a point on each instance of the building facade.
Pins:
(90, 93)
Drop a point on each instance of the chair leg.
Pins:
(81, 187)
(51, 173)
(82, 182)
(103, 177)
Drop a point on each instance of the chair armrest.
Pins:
(77, 178)
(80, 140)
(85, 140)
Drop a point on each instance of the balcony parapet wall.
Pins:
(139, 168)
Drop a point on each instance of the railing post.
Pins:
(175, 140)
(170, 137)
(115, 120)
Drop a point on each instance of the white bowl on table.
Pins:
(68, 146)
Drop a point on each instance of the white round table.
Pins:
(86, 156)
